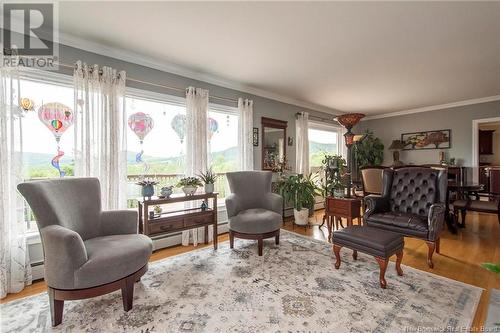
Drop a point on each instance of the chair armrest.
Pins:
(273, 202)
(119, 222)
(64, 252)
(375, 204)
(436, 220)
(233, 205)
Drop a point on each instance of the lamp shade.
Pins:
(349, 120)
(396, 145)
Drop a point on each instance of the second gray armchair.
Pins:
(254, 212)
(87, 252)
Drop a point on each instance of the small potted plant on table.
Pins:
(147, 187)
(208, 178)
(300, 192)
(189, 185)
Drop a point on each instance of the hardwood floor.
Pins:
(460, 258)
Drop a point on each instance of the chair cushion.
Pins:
(405, 223)
(255, 221)
(111, 258)
(369, 240)
(484, 206)
(460, 203)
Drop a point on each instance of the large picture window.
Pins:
(323, 140)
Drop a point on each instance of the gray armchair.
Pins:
(254, 212)
(412, 204)
(87, 252)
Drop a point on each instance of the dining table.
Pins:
(460, 190)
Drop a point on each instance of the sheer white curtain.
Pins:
(196, 147)
(302, 139)
(100, 130)
(15, 269)
(245, 133)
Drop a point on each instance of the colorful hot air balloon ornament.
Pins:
(213, 126)
(58, 118)
(141, 124)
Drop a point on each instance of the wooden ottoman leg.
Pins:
(383, 266)
(354, 254)
(336, 250)
(399, 256)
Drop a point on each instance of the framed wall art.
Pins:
(440, 139)
(255, 136)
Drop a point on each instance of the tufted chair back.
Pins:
(413, 190)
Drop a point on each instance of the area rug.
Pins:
(292, 288)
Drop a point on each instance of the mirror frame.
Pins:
(272, 123)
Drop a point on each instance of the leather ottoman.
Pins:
(379, 243)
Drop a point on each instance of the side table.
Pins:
(349, 208)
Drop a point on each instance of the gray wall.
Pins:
(263, 107)
(458, 119)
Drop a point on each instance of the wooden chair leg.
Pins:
(260, 245)
(399, 257)
(355, 255)
(336, 250)
(383, 266)
(432, 247)
(464, 213)
(231, 239)
(56, 307)
(277, 239)
(128, 293)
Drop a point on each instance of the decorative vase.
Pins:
(209, 188)
(189, 190)
(301, 216)
(148, 191)
(166, 191)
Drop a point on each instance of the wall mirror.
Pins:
(273, 142)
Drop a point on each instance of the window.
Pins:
(160, 152)
(223, 144)
(323, 140)
(39, 142)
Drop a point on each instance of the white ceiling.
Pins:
(369, 57)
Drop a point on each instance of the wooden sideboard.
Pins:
(169, 221)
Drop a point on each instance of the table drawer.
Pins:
(200, 219)
(165, 226)
(340, 211)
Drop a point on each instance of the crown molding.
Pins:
(165, 66)
(435, 107)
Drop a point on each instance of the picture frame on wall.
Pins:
(255, 136)
(438, 139)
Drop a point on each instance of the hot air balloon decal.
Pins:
(213, 126)
(58, 118)
(179, 126)
(141, 124)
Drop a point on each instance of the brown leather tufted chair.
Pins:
(412, 204)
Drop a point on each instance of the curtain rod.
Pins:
(312, 117)
(160, 85)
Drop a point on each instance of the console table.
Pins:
(349, 208)
(180, 219)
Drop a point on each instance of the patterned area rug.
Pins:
(292, 288)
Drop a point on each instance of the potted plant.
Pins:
(369, 151)
(189, 185)
(208, 178)
(300, 192)
(147, 187)
(335, 170)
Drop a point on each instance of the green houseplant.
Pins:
(300, 191)
(369, 151)
(208, 178)
(335, 168)
(189, 185)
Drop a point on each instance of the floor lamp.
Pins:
(348, 121)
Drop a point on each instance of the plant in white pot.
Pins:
(189, 185)
(208, 178)
(300, 192)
